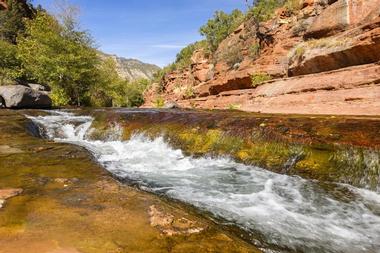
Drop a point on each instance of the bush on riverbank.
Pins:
(55, 51)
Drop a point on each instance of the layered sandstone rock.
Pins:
(354, 47)
(350, 91)
(341, 15)
(329, 47)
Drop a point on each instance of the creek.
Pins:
(287, 212)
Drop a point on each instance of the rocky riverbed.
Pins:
(56, 199)
(284, 183)
(133, 180)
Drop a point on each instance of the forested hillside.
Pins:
(37, 47)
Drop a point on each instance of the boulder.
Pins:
(18, 96)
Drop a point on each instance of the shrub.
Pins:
(9, 64)
(298, 53)
(220, 26)
(293, 5)
(299, 28)
(183, 58)
(232, 56)
(264, 10)
(234, 106)
(325, 43)
(259, 78)
(159, 76)
(189, 92)
(59, 97)
(159, 102)
(254, 50)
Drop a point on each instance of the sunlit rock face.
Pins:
(317, 45)
(132, 69)
(341, 15)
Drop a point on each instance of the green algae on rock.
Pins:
(70, 204)
(328, 148)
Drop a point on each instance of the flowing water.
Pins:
(291, 213)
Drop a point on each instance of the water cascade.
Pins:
(289, 212)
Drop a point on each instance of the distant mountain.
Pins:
(133, 69)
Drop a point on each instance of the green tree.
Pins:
(107, 87)
(134, 93)
(183, 58)
(220, 26)
(111, 90)
(59, 56)
(11, 20)
(9, 64)
(263, 10)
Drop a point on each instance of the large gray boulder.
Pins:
(18, 96)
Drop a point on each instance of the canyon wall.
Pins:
(321, 59)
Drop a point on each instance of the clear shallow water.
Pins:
(288, 212)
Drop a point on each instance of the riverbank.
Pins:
(69, 204)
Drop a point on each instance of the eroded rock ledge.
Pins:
(323, 59)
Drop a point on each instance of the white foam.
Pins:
(289, 212)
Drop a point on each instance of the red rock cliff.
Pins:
(321, 60)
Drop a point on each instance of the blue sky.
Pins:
(149, 30)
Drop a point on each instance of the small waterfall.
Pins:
(291, 213)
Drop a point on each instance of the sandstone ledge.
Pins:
(349, 91)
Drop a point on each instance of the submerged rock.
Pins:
(169, 225)
(7, 194)
(18, 96)
(5, 149)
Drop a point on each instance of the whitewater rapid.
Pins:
(290, 212)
